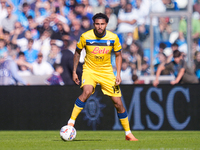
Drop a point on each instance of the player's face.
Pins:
(100, 26)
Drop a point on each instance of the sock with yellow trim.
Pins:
(78, 107)
(123, 117)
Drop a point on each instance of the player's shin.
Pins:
(123, 117)
(78, 107)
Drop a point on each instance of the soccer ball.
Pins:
(67, 133)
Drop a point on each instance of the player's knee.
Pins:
(87, 93)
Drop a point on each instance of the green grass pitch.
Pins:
(100, 140)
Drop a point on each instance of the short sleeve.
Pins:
(117, 45)
(81, 43)
(183, 65)
(169, 66)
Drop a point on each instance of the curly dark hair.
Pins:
(100, 16)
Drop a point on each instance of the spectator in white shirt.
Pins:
(126, 73)
(155, 6)
(20, 36)
(143, 12)
(3, 10)
(127, 19)
(54, 55)
(99, 8)
(112, 23)
(43, 44)
(40, 67)
(8, 22)
(23, 42)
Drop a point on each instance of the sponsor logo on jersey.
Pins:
(100, 51)
(99, 58)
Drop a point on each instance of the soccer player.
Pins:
(97, 68)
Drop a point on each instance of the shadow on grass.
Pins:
(81, 140)
(91, 140)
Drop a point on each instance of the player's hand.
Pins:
(75, 79)
(118, 80)
(155, 83)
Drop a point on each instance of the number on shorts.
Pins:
(115, 89)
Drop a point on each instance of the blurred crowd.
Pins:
(38, 37)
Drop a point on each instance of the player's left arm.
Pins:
(118, 55)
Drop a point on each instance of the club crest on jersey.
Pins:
(108, 43)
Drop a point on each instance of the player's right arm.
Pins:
(80, 45)
(76, 61)
(118, 65)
